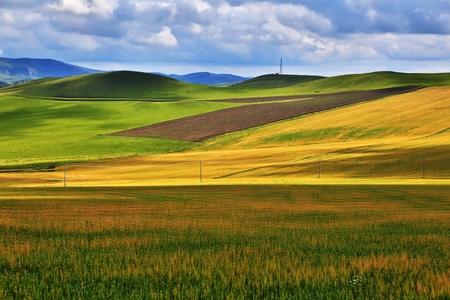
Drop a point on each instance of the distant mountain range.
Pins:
(14, 70)
(20, 69)
(210, 78)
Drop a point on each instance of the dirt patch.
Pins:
(205, 126)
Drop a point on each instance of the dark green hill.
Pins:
(276, 81)
(144, 86)
(120, 84)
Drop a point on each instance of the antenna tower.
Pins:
(281, 66)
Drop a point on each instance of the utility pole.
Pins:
(320, 160)
(281, 66)
(423, 167)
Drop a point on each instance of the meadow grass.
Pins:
(39, 131)
(226, 242)
(375, 80)
(386, 138)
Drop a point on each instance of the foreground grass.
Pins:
(226, 242)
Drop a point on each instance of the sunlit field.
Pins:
(226, 242)
(348, 203)
(383, 139)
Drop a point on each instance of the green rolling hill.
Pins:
(144, 86)
(49, 130)
(375, 80)
(277, 81)
(121, 84)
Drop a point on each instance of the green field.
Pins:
(38, 131)
(226, 242)
(348, 203)
(49, 122)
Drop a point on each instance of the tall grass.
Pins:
(226, 242)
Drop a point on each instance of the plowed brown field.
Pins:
(266, 110)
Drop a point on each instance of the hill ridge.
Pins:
(149, 86)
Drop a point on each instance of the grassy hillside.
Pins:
(422, 113)
(403, 138)
(408, 129)
(374, 80)
(276, 81)
(48, 131)
(406, 137)
(35, 132)
(128, 85)
(123, 84)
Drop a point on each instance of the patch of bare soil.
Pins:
(205, 126)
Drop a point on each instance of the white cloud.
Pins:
(72, 6)
(228, 32)
(102, 8)
(201, 5)
(195, 28)
(7, 17)
(268, 22)
(163, 38)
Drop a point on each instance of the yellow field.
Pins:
(405, 137)
(351, 203)
(418, 115)
(225, 242)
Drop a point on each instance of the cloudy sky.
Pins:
(244, 37)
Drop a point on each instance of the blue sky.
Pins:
(323, 37)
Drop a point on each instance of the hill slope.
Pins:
(136, 85)
(205, 126)
(404, 139)
(415, 115)
(120, 84)
(375, 80)
(412, 127)
(276, 81)
(405, 136)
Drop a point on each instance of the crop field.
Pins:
(384, 139)
(226, 242)
(403, 136)
(282, 187)
(202, 127)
